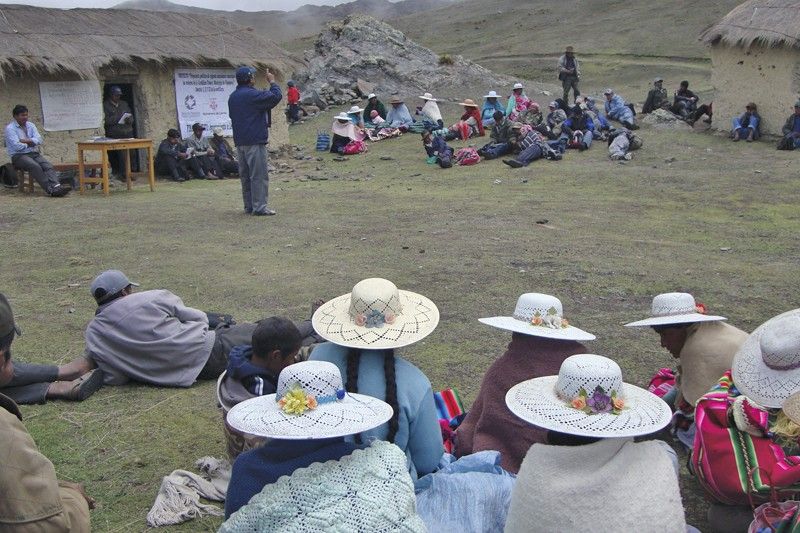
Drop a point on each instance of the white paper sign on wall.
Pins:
(71, 105)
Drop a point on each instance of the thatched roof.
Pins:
(764, 22)
(80, 41)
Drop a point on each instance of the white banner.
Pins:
(71, 105)
(201, 96)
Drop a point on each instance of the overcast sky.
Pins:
(228, 5)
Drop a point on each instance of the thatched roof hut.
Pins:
(755, 55)
(81, 41)
(139, 50)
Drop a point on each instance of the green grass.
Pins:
(616, 235)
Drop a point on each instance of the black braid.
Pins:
(391, 393)
(351, 385)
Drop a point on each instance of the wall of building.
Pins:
(770, 77)
(155, 111)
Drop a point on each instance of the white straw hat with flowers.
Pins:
(310, 403)
(766, 368)
(376, 315)
(342, 116)
(540, 315)
(428, 96)
(675, 308)
(588, 398)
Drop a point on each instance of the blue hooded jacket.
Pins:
(249, 109)
(255, 379)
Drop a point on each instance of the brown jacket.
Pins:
(33, 500)
(490, 425)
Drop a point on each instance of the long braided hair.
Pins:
(351, 385)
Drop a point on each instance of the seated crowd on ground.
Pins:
(312, 402)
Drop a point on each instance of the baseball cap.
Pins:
(244, 74)
(218, 131)
(197, 125)
(608, 91)
(658, 79)
(116, 89)
(7, 324)
(109, 283)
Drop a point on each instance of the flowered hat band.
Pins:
(297, 401)
(375, 303)
(551, 318)
(598, 402)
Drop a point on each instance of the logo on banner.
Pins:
(190, 102)
(212, 103)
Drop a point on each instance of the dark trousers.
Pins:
(495, 150)
(179, 168)
(570, 82)
(225, 165)
(704, 109)
(530, 154)
(294, 112)
(38, 167)
(30, 382)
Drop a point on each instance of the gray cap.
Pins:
(7, 324)
(109, 283)
(609, 91)
(658, 79)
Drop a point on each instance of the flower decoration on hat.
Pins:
(599, 402)
(549, 320)
(374, 319)
(701, 308)
(297, 401)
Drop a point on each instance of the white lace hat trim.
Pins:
(674, 308)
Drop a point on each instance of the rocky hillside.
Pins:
(360, 54)
(281, 26)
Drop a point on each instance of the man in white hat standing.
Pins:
(703, 344)
(569, 73)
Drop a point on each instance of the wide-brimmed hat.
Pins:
(376, 315)
(492, 94)
(588, 398)
(791, 407)
(675, 308)
(356, 109)
(553, 104)
(342, 116)
(310, 403)
(469, 102)
(518, 85)
(766, 368)
(540, 315)
(371, 95)
(396, 100)
(429, 96)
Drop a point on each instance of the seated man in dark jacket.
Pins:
(531, 146)
(173, 159)
(224, 157)
(501, 133)
(685, 102)
(579, 129)
(657, 97)
(791, 130)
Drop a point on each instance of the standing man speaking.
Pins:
(249, 110)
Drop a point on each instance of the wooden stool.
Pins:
(24, 187)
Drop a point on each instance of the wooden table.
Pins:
(107, 145)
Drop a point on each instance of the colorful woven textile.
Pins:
(450, 411)
(734, 465)
(663, 382)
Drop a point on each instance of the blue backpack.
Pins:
(323, 141)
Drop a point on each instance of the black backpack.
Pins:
(8, 176)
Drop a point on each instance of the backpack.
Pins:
(8, 176)
(354, 147)
(323, 141)
(735, 463)
(467, 156)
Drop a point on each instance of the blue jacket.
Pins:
(257, 468)
(616, 107)
(418, 433)
(249, 110)
(574, 124)
(487, 113)
(257, 380)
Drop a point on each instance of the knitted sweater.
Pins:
(257, 468)
(490, 425)
(419, 434)
(613, 485)
(367, 490)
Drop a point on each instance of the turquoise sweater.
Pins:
(418, 433)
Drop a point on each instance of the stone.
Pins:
(664, 120)
(364, 88)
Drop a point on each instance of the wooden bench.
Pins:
(27, 185)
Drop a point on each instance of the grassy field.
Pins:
(691, 212)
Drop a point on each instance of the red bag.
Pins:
(467, 156)
(354, 147)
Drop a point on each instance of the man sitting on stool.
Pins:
(22, 143)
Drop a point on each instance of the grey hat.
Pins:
(609, 91)
(109, 283)
(7, 324)
(658, 79)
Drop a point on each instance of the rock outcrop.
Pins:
(662, 119)
(361, 53)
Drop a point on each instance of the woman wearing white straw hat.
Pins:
(748, 431)
(517, 102)
(364, 328)
(317, 481)
(541, 339)
(344, 131)
(431, 116)
(704, 346)
(355, 116)
(491, 103)
(597, 478)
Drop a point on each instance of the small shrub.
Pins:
(445, 59)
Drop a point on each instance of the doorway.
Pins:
(129, 98)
